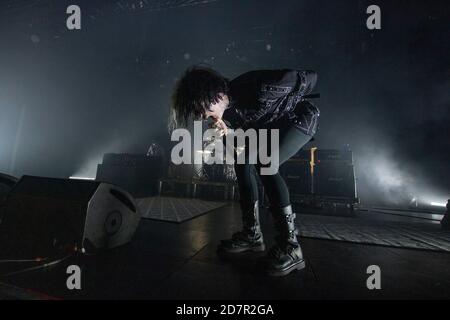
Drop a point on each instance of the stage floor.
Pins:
(179, 261)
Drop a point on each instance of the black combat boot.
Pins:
(250, 238)
(286, 256)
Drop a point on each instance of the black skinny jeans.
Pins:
(291, 140)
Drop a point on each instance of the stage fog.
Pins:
(68, 97)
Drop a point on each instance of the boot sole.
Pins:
(260, 248)
(280, 273)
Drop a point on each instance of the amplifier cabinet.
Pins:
(322, 174)
(138, 174)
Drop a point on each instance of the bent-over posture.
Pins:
(263, 99)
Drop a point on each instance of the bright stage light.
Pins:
(81, 178)
(437, 204)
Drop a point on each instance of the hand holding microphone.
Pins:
(220, 126)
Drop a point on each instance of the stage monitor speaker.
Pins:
(46, 216)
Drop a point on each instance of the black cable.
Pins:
(45, 265)
(22, 260)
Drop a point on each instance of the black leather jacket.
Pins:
(259, 98)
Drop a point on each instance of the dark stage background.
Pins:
(67, 97)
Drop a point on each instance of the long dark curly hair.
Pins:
(197, 89)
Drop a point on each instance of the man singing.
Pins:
(262, 99)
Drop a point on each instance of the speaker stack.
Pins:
(334, 174)
(297, 173)
(43, 217)
(322, 179)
